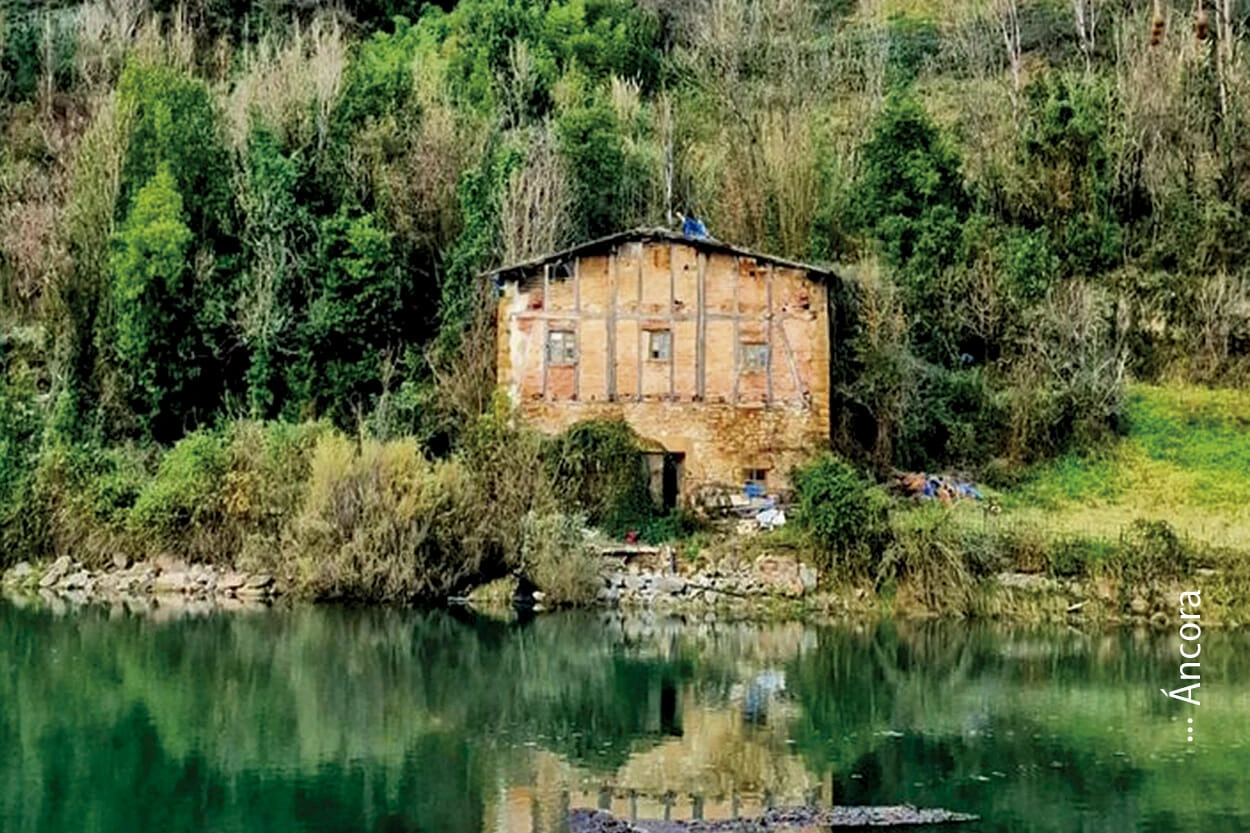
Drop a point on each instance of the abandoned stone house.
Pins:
(716, 356)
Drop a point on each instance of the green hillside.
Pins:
(222, 220)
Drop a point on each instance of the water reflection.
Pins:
(348, 720)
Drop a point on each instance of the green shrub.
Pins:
(382, 523)
(1075, 556)
(155, 328)
(841, 511)
(185, 495)
(928, 561)
(598, 467)
(1150, 552)
(81, 497)
(674, 525)
(557, 558)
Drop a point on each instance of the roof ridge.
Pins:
(644, 232)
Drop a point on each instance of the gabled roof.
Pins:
(514, 271)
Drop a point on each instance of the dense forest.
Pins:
(227, 211)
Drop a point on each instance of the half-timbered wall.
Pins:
(743, 385)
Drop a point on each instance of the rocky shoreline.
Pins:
(633, 580)
(164, 580)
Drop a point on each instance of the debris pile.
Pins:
(945, 489)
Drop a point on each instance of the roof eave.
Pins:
(507, 272)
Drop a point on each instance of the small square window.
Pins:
(754, 357)
(561, 347)
(660, 345)
(759, 476)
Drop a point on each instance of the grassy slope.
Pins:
(1186, 460)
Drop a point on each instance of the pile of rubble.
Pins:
(945, 489)
(162, 577)
(649, 579)
(751, 506)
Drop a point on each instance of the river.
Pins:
(332, 719)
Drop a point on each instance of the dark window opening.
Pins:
(561, 347)
(660, 345)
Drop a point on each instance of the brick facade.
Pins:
(711, 352)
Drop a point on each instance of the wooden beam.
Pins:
(793, 363)
(737, 329)
(672, 324)
(768, 369)
(700, 359)
(577, 312)
(546, 329)
(640, 370)
(610, 319)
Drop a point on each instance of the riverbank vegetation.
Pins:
(240, 248)
(1118, 531)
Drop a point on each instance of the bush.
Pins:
(927, 560)
(598, 467)
(1150, 552)
(20, 428)
(381, 523)
(185, 496)
(841, 511)
(556, 557)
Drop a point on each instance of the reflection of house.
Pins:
(717, 355)
(720, 765)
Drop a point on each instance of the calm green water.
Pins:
(348, 720)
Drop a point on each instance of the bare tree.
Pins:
(1086, 14)
(1009, 24)
(537, 203)
(1225, 46)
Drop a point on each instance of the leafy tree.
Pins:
(157, 344)
(356, 314)
(379, 78)
(275, 228)
(591, 141)
(509, 53)
(911, 198)
(478, 193)
(911, 194)
(1069, 185)
(174, 123)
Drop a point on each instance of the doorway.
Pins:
(671, 488)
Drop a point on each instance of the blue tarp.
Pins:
(693, 227)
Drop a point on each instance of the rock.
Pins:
(170, 582)
(539, 595)
(778, 575)
(59, 569)
(169, 564)
(258, 581)
(1027, 581)
(121, 561)
(1139, 606)
(19, 574)
(75, 581)
(670, 585)
(808, 577)
(231, 581)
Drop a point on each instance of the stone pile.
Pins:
(163, 577)
(724, 584)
